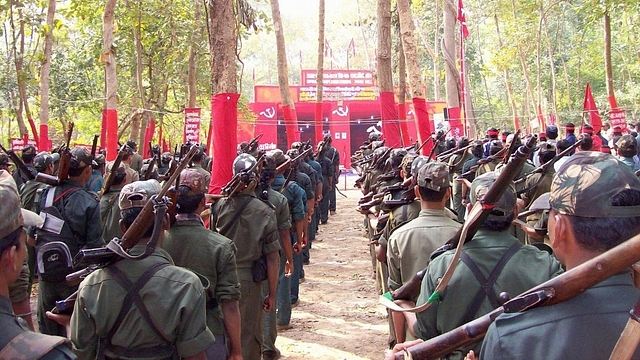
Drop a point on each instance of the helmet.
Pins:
(243, 163)
(418, 163)
(165, 157)
(296, 145)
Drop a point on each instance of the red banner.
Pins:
(291, 124)
(455, 124)
(224, 114)
(404, 127)
(422, 123)
(340, 130)
(591, 108)
(191, 133)
(111, 141)
(17, 144)
(618, 117)
(266, 124)
(390, 128)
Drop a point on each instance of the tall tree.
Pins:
(108, 57)
(385, 76)
(44, 77)
(288, 107)
(320, 71)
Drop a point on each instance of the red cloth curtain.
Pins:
(224, 114)
(422, 123)
(110, 117)
(291, 124)
(390, 128)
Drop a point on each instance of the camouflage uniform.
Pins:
(205, 173)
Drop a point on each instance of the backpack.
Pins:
(55, 242)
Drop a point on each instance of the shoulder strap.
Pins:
(30, 345)
(235, 218)
(486, 285)
(133, 296)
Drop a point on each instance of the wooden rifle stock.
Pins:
(411, 289)
(19, 163)
(561, 288)
(108, 182)
(423, 145)
(94, 146)
(283, 167)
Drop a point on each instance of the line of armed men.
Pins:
(456, 234)
(136, 259)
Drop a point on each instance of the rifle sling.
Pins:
(235, 218)
(133, 296)
(486, 284)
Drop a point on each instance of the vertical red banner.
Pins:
(266, 124)
(224, 114)
(111, 120)
(291, 124)
(45, 143)
(390, 126)
(340, 128)
(423, 124)
(191, 132)
(455, 123)
(148, 136)
(404, 127)
(318, 118)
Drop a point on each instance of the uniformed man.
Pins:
(127, 160)
(334, 156)
(456, 164)
(109, 207)
(168, 319)
(81, 218)
(97, 175)
(627, 150)
(16, 340)
(5, 162)
(492, 134)
(411, 245)
(136, 159)
(251, 224)
(489, 164)
(197, 161)
(28, 154)
(521, 267)
(594, 206)
(569, 129)
(211, 255)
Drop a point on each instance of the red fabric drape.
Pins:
(32, 125)
(390, 128)
(423, 124)
(148, 136)
(318, 122)
(590, 106)
(404, 127)
(45, 144)
(103, 131)
(516, 123)
(291, 124)
(111, 119)
(224, 114)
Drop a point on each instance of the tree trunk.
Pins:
(523, 62)
(507, 79)
(607, 59)
(44, 77)
(146, 115)
(18, 56)
(402, 96)
(192, 74)
(385, 75)
(288, 106)
(364, 38)
(452, 76)
(222, 42)
(320, 72)
(108, 57)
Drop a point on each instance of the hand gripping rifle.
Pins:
(117, 249)
(108, 182)
(561, 288)
(477, 215)
(65, 162)
(19, 163)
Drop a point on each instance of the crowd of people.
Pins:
(574, 198)
(217, 276)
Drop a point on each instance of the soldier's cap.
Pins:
(12, 216)
(80, 158)
(546, 147)
(278, 156)
(121, 169)
(434, 176)
(4, 160)
(627, 142)
(507, 203)
(194, 180)
(586, 184)
(136, 194)
(617, 128)
(100, 160)
(42, 160)
(28, 150)
(131, 143)
(407, 161)
(56, 157)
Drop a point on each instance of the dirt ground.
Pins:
(338, 316)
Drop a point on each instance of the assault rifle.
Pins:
(108, 182)
(477, 215)
(117, 249)
(561, 288)
(240, 180)
(542, 168)
(19, 163)
(65, 162)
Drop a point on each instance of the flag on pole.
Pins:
(591, 108)
(352, 47)
(463, 20)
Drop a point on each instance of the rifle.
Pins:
(477, 215)
(435, 143)
(542, 168)
(108, 182)
(65, 162)
(94, 146)
(422, 145)
(561, 288)
(241, 179)
(512, 147)
(444, 157)
(253, 144)
(19, 163)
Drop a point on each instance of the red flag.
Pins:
(590, 107)
(463, 20)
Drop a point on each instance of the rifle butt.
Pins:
(411, 289)
(47, 179)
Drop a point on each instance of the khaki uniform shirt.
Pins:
(411, 245)
(110, 215)
(211, 255)
(399, 217)
(174, 297)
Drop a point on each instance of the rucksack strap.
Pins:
(30, 345)
(235, 218)
(486, 284)
(133, 296)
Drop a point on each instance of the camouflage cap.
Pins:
(507, 203)
(546, 147)
(278, 156)
(121, 169)
(194, 180)
(42, 160)
(407, 161)
(12, 216)
(100, 159)
(627, 142)
(80, 158)
(434, 176)
(136, 194)
(586, 184)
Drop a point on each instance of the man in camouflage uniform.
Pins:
(594, 206)
(251, 224)
(211, 255)
(456, 163)
(16, 340)
(102, 324)
(411, 245)
(5, 162)
(80, 211)
(489, 164)
(109, 210)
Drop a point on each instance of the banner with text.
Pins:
(18, 144)
(191, 125)
(618, 117)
